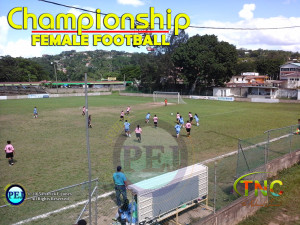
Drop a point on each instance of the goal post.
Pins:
(172, 97)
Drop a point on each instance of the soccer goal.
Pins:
(172, 97)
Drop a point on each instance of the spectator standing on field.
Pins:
(35, 112)
(9, 150)
(120, 182)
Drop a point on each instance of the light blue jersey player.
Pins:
(147, 117)
(197, 119)
(35, 112)
(127, 128)
(181, 121)
(177, 129)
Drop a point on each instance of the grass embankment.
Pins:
(289, 211)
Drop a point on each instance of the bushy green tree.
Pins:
(205, 61)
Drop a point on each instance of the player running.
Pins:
(9, 150)
(83, 111)
(155, 120)
(127, 128)
(188, 126)
(177, 129)
(147, 117)
(90, 121)
(166, 102)
(122, 116)
(138, 133)
(191, 117)
(177, 117)
(35, 112)
(181, 121)
(197, 119)
(128, 110)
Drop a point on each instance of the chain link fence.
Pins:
(252, 155)
(55, 207)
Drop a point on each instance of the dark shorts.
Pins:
(191, 119)
(188, 129)
(9, 155)
(121, 117)
(155, 123)
(138, 135)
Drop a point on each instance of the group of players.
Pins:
(179, 123)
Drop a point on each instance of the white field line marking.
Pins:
(42, 216)
(247, 148)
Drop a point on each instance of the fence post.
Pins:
(238, 157)
(291, 136)
(96, 204)
(215, 187)
(267, 147)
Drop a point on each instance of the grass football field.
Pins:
(51, 150)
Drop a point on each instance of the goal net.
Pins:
(172, 97)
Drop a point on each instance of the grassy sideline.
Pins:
(288, 212)
(51, 150)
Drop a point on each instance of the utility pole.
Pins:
(88, 149)
(55, 76)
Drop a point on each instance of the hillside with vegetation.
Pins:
(188, 64)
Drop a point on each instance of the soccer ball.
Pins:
(171, 114)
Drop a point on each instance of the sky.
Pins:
(213, 13)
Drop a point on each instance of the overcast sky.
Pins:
(213, 13)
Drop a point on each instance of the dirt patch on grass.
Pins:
(285, 219)
(111, 110)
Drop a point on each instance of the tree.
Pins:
(205, 61)
(20, 69)
(131, 73)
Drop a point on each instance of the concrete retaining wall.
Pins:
(236, 212)
(136, 94)
(79, 94)
(82, 90)
(55, 95)
(264, 100)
